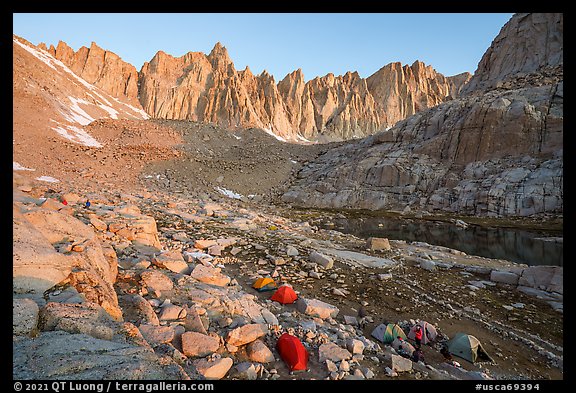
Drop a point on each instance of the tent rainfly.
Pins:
(285, 295)
(293, 353)
(387, 333)
(264, 284)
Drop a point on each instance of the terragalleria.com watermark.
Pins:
(108, 386)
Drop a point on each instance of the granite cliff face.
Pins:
(209, 89)
(512, 54)
(496, 150)
(100, 68)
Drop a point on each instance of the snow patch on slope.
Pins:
(78, 110)
(17, 167)
(48, 179)
(77, 135)
(270, 132)
(228, 193)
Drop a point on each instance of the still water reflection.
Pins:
(517, 245)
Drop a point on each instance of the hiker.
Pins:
(362, 315)
(418, 356)
(87, 205)
(418, 336)
(401, 350)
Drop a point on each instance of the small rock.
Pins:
(246, 334)
(291, 251)
(333, 352)
(355, 346)
(215, 369)
(331, 366)
(390, 372)
(198, 344)
(401, 364)
(257, 351)
(344, 366)
(156, 335)
(321, 259)
(245, 371)
(316, 308)
(269, 317)
(378, 244)
(171, 312)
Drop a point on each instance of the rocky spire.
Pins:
(218, 57)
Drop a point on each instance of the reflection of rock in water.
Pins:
(500, 243)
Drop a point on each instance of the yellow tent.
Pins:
(264, 284)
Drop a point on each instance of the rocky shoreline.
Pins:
(159, 286)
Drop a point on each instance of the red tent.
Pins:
(285, 295)
(292, 351)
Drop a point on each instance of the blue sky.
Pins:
(280, 43)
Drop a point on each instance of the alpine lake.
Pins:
(525, 241)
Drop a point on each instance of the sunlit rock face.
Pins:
(496, 150)
(208, 88)
(100, 68)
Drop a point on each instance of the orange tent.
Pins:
(292, 351)
(264, 284)
(285, 295)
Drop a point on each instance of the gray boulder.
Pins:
(59, 355)
(24, 316)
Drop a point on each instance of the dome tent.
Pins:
(387, 333)
(284, 295)
(428, 332)
(468, 347)
(264, 284)
(403, 345)
(293, 353)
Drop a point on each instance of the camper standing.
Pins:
(446, 353)
(418, 336)
(418, 356)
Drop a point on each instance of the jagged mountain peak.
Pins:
(331, 107)
(219, 56)
(296, 75)
(208, 88)
(100, 67)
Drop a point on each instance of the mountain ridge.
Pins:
(207, 88)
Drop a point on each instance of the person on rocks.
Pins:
(418, 336)
(87, 204)
(401, 350)
(362, 315)
(446, 353)
(418, 355)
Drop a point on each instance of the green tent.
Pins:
(387, 333)
(468, 347)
